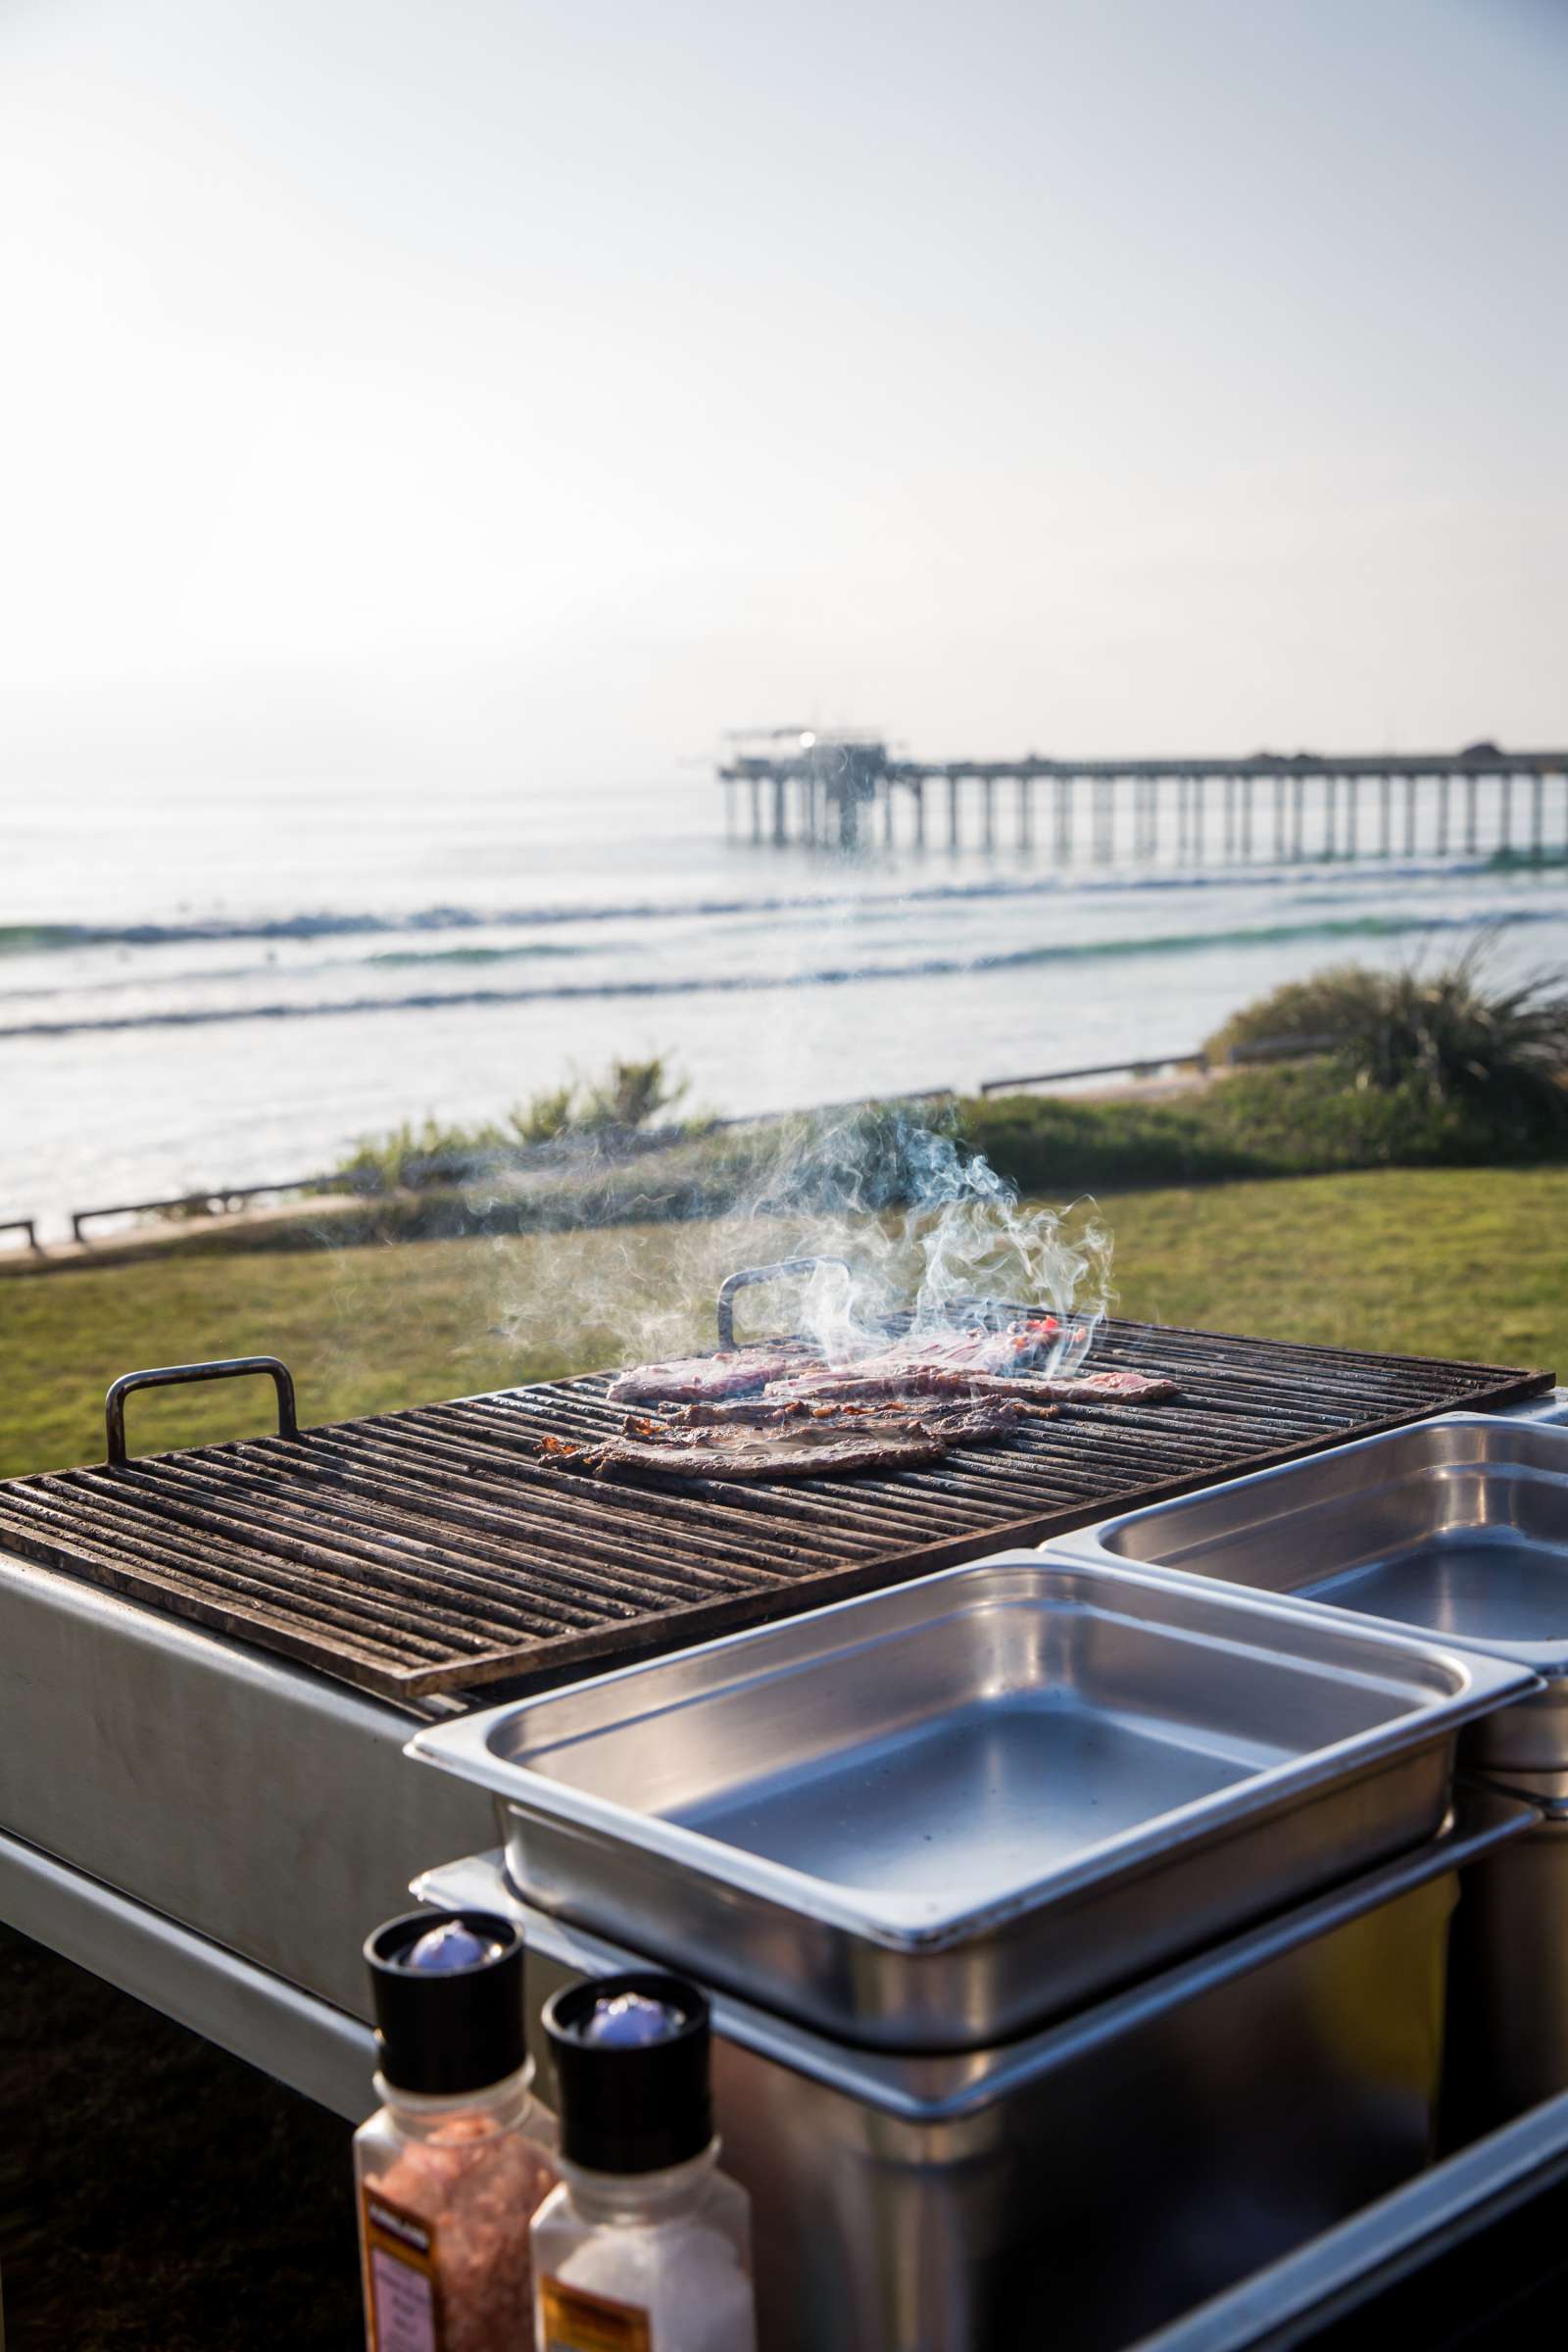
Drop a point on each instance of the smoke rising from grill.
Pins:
(642, 1240)
(929, 1227)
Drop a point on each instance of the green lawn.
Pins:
(1436, 1261)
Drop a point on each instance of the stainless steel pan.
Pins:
(935, 1816)
(1456, 1530)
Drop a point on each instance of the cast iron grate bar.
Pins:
(434, 1549)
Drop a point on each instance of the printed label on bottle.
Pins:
(401, 2285)
(576, 2322)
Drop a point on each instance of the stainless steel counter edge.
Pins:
(300, 2041)
(1553, 1407)
(929, 2087)
(1226, 1614)
(1290, 2300)
(257, 1803)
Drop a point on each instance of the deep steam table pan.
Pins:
(1457, 1528)
(932, 1817)
(1085, 2183)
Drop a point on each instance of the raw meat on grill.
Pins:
(690, 1378)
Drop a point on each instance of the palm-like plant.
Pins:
(1450, 1034)
(1457, 1037)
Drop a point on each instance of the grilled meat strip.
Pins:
(932, 1408)
(800, 1450)
(977, 1349)
(743, 1371)
(690, 1378)
(965, 1366)
(1114, 1387)
(799, 1440)
(854, 1383)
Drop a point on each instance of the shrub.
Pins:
(634, 1093)
(1307, 1118)
(415, 1156)
(1452, 1036)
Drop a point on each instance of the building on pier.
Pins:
(793, 786)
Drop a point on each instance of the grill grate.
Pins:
(430, 1549)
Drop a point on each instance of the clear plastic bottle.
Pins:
(646, 2244)
(450, 2169)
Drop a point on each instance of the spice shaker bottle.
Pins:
(450, 2169)
(646, 2245)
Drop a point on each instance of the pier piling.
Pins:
(1104, 820)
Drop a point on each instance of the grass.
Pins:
(1442, 1261)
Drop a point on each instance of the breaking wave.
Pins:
(46, 938)
(1055, 953)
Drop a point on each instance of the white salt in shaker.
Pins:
(646, 2245)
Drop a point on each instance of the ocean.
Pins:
(201, 988)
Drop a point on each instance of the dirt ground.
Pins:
(154, 2192)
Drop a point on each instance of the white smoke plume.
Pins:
(926, 1227)
(626, 1265)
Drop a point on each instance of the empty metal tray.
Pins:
(933, 1816)
(1457, 1527)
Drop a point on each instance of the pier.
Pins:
(791, 787)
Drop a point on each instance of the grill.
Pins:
(428, 1551)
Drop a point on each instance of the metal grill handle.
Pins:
(170, 1376)
(743, 1278)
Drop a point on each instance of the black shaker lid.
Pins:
(448, 1993)
(631, 2059)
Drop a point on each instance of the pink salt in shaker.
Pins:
(451, 2167)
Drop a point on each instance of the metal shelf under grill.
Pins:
(432, 1549)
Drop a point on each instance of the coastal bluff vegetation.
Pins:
(1385, 1183)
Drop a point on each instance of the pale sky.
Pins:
(560, 385)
